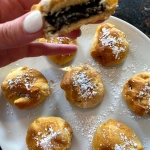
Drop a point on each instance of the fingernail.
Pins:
(33, 22)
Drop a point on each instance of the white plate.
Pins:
(14, 122)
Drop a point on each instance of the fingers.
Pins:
(21, 31)
(24, 30)
(38, 49)
(34, 49)
(74, 34)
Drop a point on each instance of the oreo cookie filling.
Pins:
(71, 14)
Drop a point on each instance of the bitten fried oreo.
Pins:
(63, 16)
(136, 93)
(60, 59)
(109, 46)
(83, 86)
(114, 135)
(25, 87)
(49, 133)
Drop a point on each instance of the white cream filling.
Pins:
(45, 4)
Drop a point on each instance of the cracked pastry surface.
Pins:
(114, 135)
(49, 133)
(109, 46)
(25, 87)
(63, 16)
(83, 86)
(60, 59)
(136, 93)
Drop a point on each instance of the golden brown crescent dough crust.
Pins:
(114, 135)
(83, 86)
(136, 93)
(60, 59)
(25, 87)
(49, 133)
(109, 46)
(53, 6)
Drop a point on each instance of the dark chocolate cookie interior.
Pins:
(74, 13)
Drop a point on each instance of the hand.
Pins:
(18, 29)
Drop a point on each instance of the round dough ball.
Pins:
(25, 87)
(60, 59)
(49, 133)
(136, 93)
(109, 46)
(114, 135)
(83, 86)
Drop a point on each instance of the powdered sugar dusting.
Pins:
(21, 85)
(59, 40)
(45, 140)
(149, 101)
(145, 92)
(17, 82)
(127, 143)
(108, 40)
(45, 4)
(86, 86)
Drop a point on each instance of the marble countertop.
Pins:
(135, 12)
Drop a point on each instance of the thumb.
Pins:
(21, 31)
